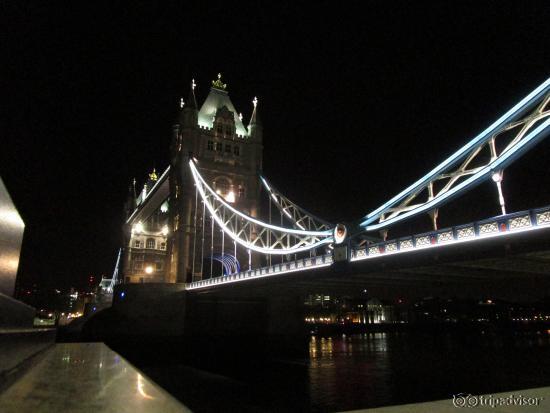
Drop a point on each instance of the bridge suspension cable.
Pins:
(485, 156)
(299, 217)
(254, 234)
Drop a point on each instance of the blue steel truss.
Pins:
(529, 120)
(229, 262)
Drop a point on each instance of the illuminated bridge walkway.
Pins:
(501, 226)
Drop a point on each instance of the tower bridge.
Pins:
(216, 253)
(212, 218)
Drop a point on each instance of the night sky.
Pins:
(356, 102)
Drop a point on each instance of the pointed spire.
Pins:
(131, 200)
(254, 119)
(255, 125)
(188, 114)
(218, 84)
(191, 101)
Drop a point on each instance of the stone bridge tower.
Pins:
(229, 156)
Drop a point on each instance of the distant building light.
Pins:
(149, 269)
(122, 294)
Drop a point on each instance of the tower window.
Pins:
(210, 145)
(229, 131)
(227, 148)
(219, 146)
(241, 192)
(150, 243)
(138, 262)
(137, 244)
(219, 129)
(163, 245)
(236, 150)
(222, 186)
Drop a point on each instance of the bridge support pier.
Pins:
(286, 332)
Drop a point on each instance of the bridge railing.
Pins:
(491, 227)
(275, 269)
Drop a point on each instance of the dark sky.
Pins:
(357, 102)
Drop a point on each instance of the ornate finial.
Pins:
(218, 84)
(153, 175)
(241, 116)
(181, 103)
(255, 101)
(193, 84)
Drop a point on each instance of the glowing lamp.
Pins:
(165, 230)
(340, 232)
(138, 227)
(148, 269)
(230, 197)
(497, 176)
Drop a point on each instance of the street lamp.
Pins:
(497, 179)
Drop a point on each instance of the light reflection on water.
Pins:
(367, 370)
(345, 369)
(350, 372)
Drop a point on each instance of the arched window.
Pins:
(137, 243)
(222, 186)
(150, 243)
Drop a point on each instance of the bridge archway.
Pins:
(218, 264)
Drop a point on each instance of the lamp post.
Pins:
(497, 179)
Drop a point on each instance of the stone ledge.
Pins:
(85, 377)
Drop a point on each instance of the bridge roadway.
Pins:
(493, 256)
(505, 257)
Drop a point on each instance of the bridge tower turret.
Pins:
(229, 155)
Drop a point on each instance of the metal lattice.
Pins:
(299, 217)
(487, 155)
(252, 233)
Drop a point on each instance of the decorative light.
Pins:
(255, 101)
(340, 232)
(165, 230)
(138, 228)
(230, 197)
(148, 269)
(497, 176)
(182, 103)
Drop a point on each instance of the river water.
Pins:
(367, 370)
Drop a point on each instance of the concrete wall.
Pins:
(11, 236)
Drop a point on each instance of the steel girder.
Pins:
(299, 217)
(519, 129)
(252, 233)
